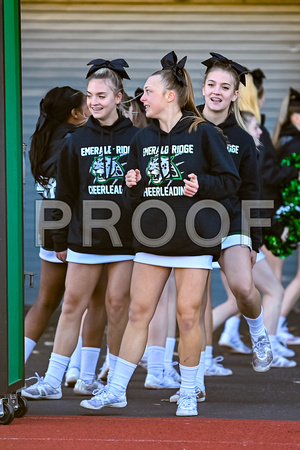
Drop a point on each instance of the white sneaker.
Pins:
(283, 350)
(83, 388)
(281, 361)
(234, 343)
(41, 390)
(172, 373)
(187, 405)
(286, 337)
(153, 382)
(200, 396)
(72, 376)
(262, 355)
(104, 398)
(216, 369)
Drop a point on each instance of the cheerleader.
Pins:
(99, 236)
(176, 165)
(62, 111)
(239, 249)
(286, 139)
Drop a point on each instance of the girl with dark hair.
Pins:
(174, 164)
(99, 236)
(62, 111)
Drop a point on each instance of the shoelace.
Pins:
(99, 390)
(37, 377)
(188, 401)
(217, 360)
(260, 347)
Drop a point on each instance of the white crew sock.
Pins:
(112, 365)
(281, 322)
(256, 326)
(208, 355)
(89, 360)
(29, 345)
(122, 374)
(232, 326)
(75, 360)
(169, 352)
(200, 373)
(57, 366)
(188, 379)
(155, 361)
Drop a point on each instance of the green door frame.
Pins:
(11, 202)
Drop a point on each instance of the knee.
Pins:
(72, 304)
(139, 314)
(187, 318)
(116, 304)
(244, 292)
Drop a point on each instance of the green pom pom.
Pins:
(288, 215)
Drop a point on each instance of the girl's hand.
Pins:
(62, 256)
(191, 185)
(132, 177)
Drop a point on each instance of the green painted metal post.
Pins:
(11, 202)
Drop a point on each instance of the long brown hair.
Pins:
(184, 92)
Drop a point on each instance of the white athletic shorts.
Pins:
(86, 258)
(49, 255)
(184, 262)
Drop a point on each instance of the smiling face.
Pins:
(219, 91)
(102, 101)
(154, 97)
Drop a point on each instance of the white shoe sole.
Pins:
(87, 405)
(186, 413)
(41, 397)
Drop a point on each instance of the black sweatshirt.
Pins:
(164, 160)
(272, 174)
(243, 151)
(59, 139)
(91, 168)
(289, 141)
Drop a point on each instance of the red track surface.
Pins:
(89, 433)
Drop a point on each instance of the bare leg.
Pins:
(190, 284)
(275, 262)
(146, 288)
(227, 309)
(81, 281)
(267, 282)
(236, 264)
(292, 292)
(95, 319)
(52, 286)
(117, 303)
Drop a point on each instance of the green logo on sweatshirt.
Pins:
(106, 168)
(162, 168)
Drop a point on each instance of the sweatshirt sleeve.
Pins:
(271, 172)
(250, 187)
(223, 179)
(67, 191)
(132, 196)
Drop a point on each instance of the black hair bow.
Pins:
(257, 75)
(240, 70)
(117, 65)
(169, 62)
